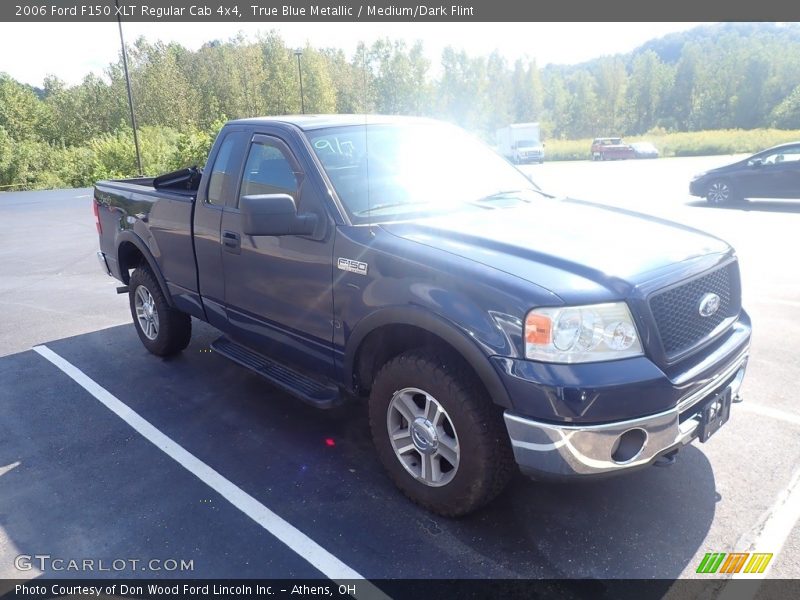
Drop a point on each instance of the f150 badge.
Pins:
(354, 266)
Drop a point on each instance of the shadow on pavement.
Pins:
(88, 485)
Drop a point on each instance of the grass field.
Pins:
(693, 143)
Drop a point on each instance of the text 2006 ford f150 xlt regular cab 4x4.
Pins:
(402, 261)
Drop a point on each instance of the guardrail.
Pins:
(12, 185)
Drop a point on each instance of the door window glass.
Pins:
(268, 171)
(221, 174)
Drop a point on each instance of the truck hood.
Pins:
(564, 245)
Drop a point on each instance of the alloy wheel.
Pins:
(423, 437)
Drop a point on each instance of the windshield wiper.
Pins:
(371, 209)
(510, 194)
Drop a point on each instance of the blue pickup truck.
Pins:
(401, 263)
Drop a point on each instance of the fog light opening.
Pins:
(629, 446)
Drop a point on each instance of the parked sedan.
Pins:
(772, 173)
(644, 150)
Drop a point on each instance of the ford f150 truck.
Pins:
(402, 262)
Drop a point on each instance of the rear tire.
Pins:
(437, 433)
(163, 330)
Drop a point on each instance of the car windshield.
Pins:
(390, 171)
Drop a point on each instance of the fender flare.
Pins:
(129, 236)
(446, 330)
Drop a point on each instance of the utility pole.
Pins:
(130, 94)
(298, 53)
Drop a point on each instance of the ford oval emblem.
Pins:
(709, 304)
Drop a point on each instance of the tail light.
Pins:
(97, 224)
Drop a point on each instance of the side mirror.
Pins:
(274, 214)
(756, 162)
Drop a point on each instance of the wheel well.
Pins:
(130, 257)
(388, 341)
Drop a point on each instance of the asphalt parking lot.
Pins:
(77, 481)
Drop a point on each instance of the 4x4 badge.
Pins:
(709, 304)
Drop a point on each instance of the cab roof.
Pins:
(310, 122)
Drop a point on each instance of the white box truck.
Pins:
(520, 143)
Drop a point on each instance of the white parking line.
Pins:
(769, 535)
(772, 531)
(767, 411)
(296, 540)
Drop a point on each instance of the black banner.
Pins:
(265, 11)
(412, 589)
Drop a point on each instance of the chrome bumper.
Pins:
(104, 263)
(546, 449)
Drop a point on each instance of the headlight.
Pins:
(698, 176)
(576, 334)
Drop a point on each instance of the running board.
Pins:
(301, 386)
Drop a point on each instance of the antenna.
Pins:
(130, 94)
(366, 139)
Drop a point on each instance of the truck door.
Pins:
(278, 289)
(223, 181)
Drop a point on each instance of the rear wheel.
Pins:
(437, 434)
(163, 330)
(720, 192)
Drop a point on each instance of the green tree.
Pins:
(787, 114)
(22, 115)
(461, 91)
(649, 88)
(398, 77)
(528, 98)
(612, 83)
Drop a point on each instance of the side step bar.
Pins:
(303, 387)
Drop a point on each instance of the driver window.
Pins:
(268, 171)
(783, 155)
(791, 154)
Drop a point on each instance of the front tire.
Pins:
(163, 330)
(720, 192)
(437, 433)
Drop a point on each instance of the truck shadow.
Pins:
(87, 485)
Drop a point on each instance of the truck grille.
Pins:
(677, 310)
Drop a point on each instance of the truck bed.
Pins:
(160, 217)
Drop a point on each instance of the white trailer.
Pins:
(521, 143)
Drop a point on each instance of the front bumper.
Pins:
(556, 450)
(697, 187)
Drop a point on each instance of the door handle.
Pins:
(232, 242)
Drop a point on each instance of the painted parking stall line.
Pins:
(774, 413)
(296, 540)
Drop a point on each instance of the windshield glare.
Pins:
(388, 171)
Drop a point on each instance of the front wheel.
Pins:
(720, 192)
(437, 434)
(163, 330)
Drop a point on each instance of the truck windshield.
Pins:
(399, 170)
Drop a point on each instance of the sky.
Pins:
(31, 51)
